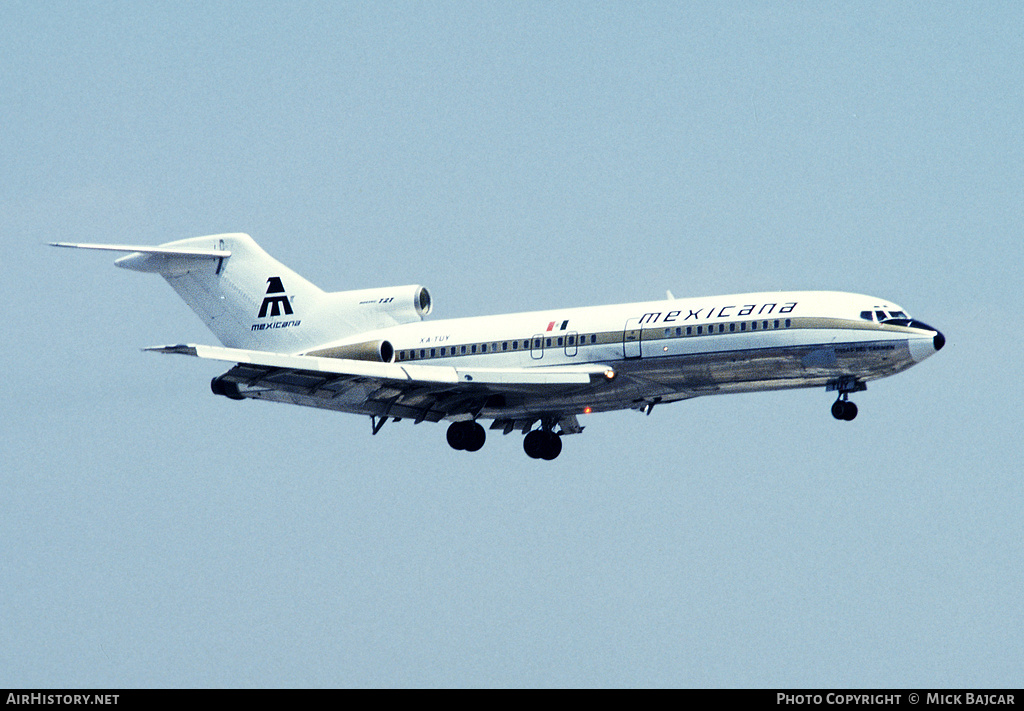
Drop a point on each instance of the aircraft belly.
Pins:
(775, 368)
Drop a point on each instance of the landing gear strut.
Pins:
(842, 408)
(468, 435)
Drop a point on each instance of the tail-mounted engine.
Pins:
(378, 351)
(369, 309)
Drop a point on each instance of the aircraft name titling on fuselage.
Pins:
(276, 324)
(866, 349)
(746, 310)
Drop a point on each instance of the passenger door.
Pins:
(632, 334)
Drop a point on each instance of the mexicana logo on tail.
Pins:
(275, 299)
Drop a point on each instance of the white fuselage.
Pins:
(676, 349)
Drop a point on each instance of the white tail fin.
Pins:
(250, 300)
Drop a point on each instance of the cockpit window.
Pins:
(867, 315)
(897, 314)
(910, 322)
(881, 315)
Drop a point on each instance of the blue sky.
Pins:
(511, 156)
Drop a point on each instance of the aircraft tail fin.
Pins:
(250, 300)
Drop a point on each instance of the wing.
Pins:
(510, 396)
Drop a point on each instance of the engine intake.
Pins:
(377, 351)
(228, 389)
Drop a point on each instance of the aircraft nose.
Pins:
(925, 347)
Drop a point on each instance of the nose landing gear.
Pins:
(842, 408)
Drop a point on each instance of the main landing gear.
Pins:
(468, 435)
(541, 443)
(842, 408)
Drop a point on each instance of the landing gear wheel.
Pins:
(533, 444)
(477, 436)
(468, 436)
(844, 410)
(552, 447)
(456, 436)
(541, 444)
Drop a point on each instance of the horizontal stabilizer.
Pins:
(163, 251)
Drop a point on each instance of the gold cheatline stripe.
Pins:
(657, 333)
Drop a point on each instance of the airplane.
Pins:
(371, 352)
